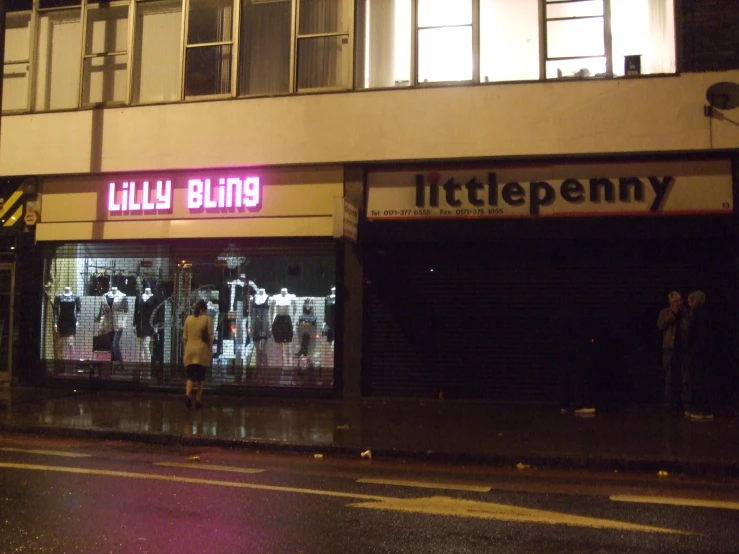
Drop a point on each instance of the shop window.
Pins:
(265, 47)
(105, 63)
(157, 52)
(116, 312)
(324, 44)
(17, 58)
(208, 56)
(58, 59)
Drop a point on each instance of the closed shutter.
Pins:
(479, 320)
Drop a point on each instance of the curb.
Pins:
(530, 461)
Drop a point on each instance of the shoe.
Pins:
(585, 411)
(188, 403)
(701, 417)
(198, 405)
(563, 410)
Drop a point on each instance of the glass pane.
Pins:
(210, 21)
(107, 30)
(325, 16)
(105, 80)
(445, 54)
(576, 69)
(208, 70)
(18, 5)
(437, 13)
(264, 56)
(17, 37)
(383, 43)
(644, 29)
(509, 40)
(58, 69)
(15, 86)
(156, 64)
(575, 9)
(575, 37)
(58, 3)
(324, 62)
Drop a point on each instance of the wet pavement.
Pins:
(633, 437)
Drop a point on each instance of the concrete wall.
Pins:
(523, 119)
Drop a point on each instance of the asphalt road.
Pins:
(64, 496)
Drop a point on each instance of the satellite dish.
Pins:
(724, 96)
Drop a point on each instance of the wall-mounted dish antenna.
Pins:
(723, 96)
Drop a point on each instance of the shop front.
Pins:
(126, 257)
(477, 275)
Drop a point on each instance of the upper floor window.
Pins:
(17, 62)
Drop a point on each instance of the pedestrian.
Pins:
(197, 336)
(574, 358)
(699, 349)
(673, 321)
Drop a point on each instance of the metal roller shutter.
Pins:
(477, 320)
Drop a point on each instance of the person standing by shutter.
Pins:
(197, 336)
(672, 321)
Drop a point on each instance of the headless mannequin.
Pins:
(144, 349)
(282, 315)
(115, 321)
(259, 325)
(67, 309)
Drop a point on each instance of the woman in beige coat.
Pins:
(198, 338)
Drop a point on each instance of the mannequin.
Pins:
(259, 329)
(145, 305)
(112, 315)
(307, 329)
(329, 317)
(67, 307)
(282, 314)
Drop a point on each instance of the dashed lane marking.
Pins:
(210, 467)
(439, 505)
(47, 452)
(671, 501)
(425, 485)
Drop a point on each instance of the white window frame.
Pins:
(30, 62)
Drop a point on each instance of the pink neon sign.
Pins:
(225, 194)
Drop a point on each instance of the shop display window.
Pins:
(116, 312)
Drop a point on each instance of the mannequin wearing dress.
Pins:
(259, 325)
(145, 305)
(112, 315)
(66, 308)
(282, 314)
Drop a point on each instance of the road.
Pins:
(71, 496)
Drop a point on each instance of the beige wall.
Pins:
(295, 202)
(620, 115)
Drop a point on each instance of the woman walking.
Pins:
(198, 338)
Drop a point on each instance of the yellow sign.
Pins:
(31, 218)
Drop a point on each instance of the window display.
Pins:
(114, 311)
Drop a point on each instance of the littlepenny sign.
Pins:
(225, 194)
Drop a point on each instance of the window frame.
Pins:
(234, 63)
(30, 61)
(85, 56)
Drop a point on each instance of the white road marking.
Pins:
(425, 485)
(671, 501)
(440, 505)
(47, 452)
(212, 467)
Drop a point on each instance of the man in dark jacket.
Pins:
(672, 321)
(699, 347)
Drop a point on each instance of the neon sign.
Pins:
(223, 194)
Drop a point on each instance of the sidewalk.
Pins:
(637, 437)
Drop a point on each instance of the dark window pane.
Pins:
(208, 70)
(58, 3)
(18, 5)
(210, 21)
(324, 62)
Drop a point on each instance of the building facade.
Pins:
(511, 162)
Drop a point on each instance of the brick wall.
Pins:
(709, 37)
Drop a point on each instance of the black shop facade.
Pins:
(471, 268)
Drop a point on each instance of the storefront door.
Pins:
(7, 285)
